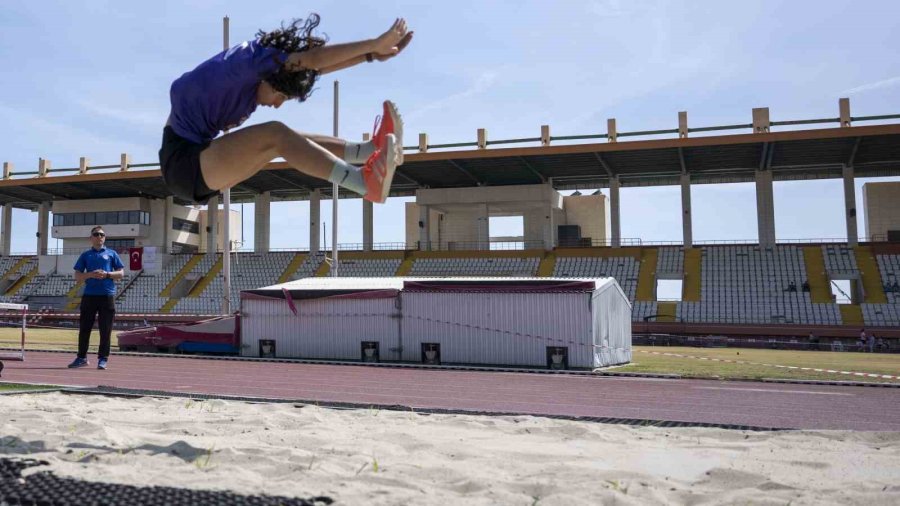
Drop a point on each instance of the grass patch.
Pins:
(47, 339)
(873, 363)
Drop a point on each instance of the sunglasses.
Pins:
(98, 234)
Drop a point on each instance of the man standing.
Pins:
(98, 267)
(813, 341)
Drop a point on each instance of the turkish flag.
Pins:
(136, 256)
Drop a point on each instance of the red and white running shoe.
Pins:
(379, 169)
(391, 123)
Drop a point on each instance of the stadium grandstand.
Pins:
(178, 271)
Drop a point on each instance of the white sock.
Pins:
(358, 152)
(348, 176)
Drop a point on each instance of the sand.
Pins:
(391, 457)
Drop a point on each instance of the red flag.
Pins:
(136, 256)
(290, 300)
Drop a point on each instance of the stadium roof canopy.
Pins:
(873, 151)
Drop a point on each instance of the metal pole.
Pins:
(226, 212)
(24, 317)
(334, 197)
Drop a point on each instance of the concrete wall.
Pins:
(180, 236)
(60, 264)
(535, 223)
(465, 228)
(220, 228)
(412, 225)
(80, 235)
(485, 195)
(65, 264)
(559, 218)
(463, 211)
(77, 237)
(590, 212)
(882, 205)
(157, 233)
(466, 213)
(98, 205)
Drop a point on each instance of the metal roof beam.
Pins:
(852, 158)
(684, 169)
(43, 192)
(288, 181)
(244, 188)
(141, 191)
(18, 198)
(770, 155)
(145, 193)
(47, 195)
(603, 164)
(411, 180)
(763, 155)
(532, 169)
(466, 172)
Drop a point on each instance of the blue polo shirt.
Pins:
(94, 259)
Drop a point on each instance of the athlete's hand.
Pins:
(396, 49)
(387, 43)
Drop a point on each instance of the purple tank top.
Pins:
(221, 92)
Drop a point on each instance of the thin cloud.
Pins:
(606, 8)
(877, 85)
(139, 118)
(662, 65)
(61, 137)
(482, 83)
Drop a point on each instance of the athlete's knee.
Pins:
(285, 136)
(274, 128)
(279, 132)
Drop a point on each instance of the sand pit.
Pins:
(390, 457)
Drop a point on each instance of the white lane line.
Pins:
(773, 391)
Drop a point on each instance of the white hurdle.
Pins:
(20, 356)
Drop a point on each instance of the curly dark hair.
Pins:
(293, 38)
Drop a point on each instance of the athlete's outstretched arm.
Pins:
(336, 54)
(360, 59)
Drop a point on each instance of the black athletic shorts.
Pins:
(179, 160)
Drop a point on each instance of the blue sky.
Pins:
(91, 78)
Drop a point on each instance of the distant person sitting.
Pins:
(806, 286)
(895, 287)
(792, 287)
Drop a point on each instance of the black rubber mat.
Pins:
(46, 489)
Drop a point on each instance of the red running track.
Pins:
(774, 405)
